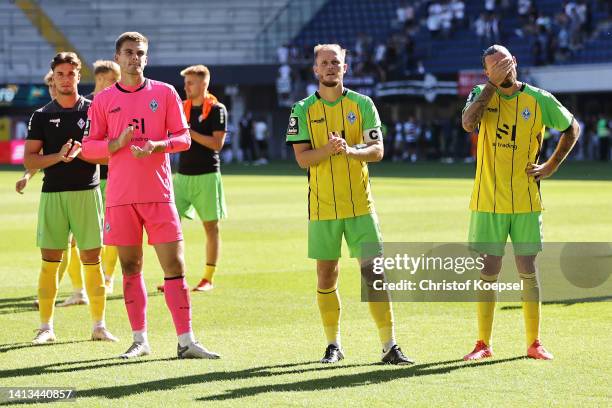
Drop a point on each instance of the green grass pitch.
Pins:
(262, 315)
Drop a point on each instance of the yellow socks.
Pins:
(329, 307)
(531, 306)
(383, 317)
(96, 291)
(209, 271)
(109, 260)
(47, 291)
(74, 269)
(64, 264)
(486, 310)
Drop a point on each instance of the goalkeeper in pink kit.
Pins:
(136, 123)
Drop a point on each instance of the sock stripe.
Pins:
(174, 277)
(47, 260)
(211, 264)
(327, 291)
(91, 264)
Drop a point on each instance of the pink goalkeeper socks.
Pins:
(176, 293)
(135, 297)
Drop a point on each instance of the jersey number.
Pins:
(138, 124)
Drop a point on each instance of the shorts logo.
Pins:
(81, 123)
(526, 114)
(107, 227)
(153, 105)
(293, 128)
(351, 117)
(56, 122)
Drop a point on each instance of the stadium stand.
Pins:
(25, 54)
(344, 20)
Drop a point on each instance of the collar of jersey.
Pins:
(334, 102)
(501, 95)
(135, 90)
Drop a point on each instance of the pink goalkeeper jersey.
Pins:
(155, 111)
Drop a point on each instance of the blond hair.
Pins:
(329, 47)
(199, 70)
(48, 78)
(105, 66)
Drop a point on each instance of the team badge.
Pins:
(351, 117)
(153, 105)
(81, 123)
(526, 114)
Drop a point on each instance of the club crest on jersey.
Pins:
(351, 117)
(153, 105)
(81, 123)
(526, 114)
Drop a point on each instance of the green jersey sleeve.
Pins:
(554, 114)
(472, 96)
(297, 131)
(369, 114)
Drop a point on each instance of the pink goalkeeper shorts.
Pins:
(123, 224)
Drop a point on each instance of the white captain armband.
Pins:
(372, 135)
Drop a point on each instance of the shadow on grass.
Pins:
(26, 304)
(382, 375)
(566, 302)
(75, 366)
(378, 374)
(18, 346)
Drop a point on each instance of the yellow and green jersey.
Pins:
(338, 187)
(510, 137)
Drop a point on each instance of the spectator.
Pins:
(458, 9)
(603, 136)
(489, 6)
(480, 27)
(398, 142)
(282, 54)
(247, 140)
(261, 137)
(434, 19)
(446, 18)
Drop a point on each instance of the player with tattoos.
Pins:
(511, 117)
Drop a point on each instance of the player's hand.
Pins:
(21, 184)
(122, 141)
(540, 171)
(63, 153)
(145, 150)
(74, 150)
(334, 144)
(500, 70)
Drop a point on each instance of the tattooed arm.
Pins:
(566, 143)
(473, 113)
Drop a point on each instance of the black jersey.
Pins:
(199, 159)
(54, 125)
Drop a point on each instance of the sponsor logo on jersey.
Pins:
(293, 128)
(351, 117)
(115, 110)
(526, 114)
(153, 105)
(56, 122)
(81, 123)
(320, 120)
(493, 110)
